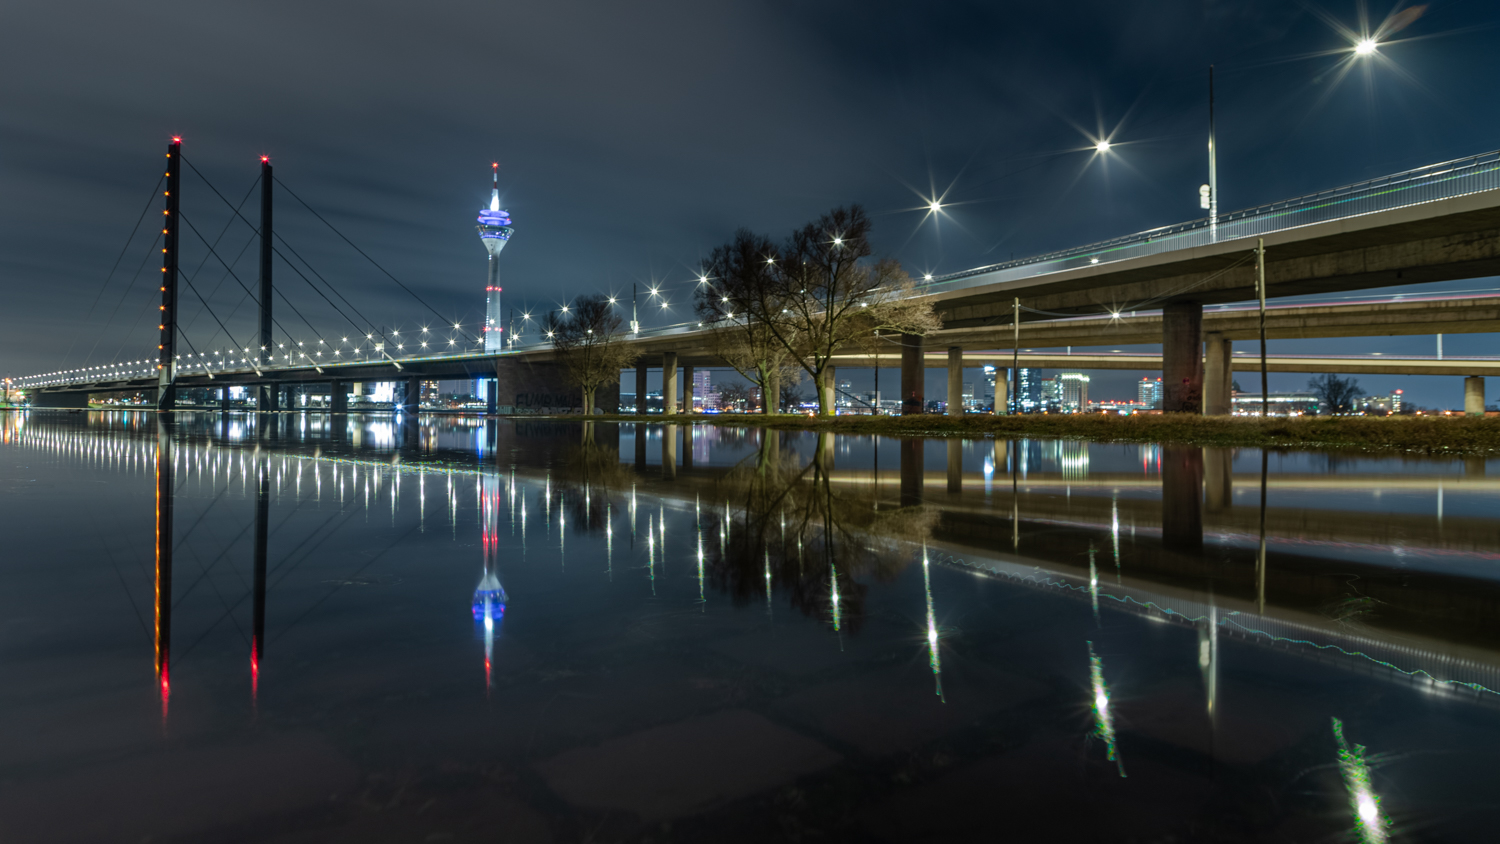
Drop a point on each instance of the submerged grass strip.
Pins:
(1437, 435)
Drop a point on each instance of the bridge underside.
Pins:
(1449, 239)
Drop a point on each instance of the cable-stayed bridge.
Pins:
(1435, 223)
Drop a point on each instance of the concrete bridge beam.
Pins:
(955, 381)
(69, 401)
(1182, 358)
(913, 374)
(1218, 377)
(1474, 396)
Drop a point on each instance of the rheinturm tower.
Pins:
(494, 233)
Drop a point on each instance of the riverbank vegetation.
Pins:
(1434, 435)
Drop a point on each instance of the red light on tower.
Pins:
(176, 139)
(265, 158)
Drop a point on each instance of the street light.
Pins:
(1102, 146)
(1365, 47)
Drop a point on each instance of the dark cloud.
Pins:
(634, 137)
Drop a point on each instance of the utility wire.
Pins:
(111, 275)
(363, 253)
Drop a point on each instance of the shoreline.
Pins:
(1425, 435)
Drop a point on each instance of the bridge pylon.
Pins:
(166, 360)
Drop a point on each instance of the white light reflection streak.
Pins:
(1370, 824)
(933, 657)
(1104, 718)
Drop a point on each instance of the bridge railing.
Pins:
(1425, 184)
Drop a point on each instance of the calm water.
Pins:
(291, 629)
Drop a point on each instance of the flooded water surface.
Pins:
(308, 628)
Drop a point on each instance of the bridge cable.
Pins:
(283, 257)
(370, 326)
(111, 275)
(150, 252)
(223, 232)
(247, 289)
(253, 228)
(211, 313)
(362, 252)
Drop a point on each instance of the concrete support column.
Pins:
(265, 398)
(1474, 396)
(1182, 498)
(1002, 389)
(955, 467)
(687, 389)
(912, 467)
(1218, 479)
(829, 397)
(669, 451)
(640, 447)
(669, 383)
(640, 389)
(411, 400)
(491, 396)
(955, 381)
(224, 399)
(1218, 375)
(338, 397)
(913, 375)
(1182, 358)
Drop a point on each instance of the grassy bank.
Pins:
(1394, 434)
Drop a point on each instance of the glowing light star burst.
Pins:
(1104, 718)
(1370, 824)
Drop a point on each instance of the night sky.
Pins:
(633, 138)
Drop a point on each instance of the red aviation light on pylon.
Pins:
(265, 158)
(176, 139)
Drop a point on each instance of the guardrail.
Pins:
(1433, 182)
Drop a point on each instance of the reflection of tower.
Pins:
(165, 488)
(489, 598)
(494, 233)
(258, 599)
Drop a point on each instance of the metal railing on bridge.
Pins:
(1433, 182)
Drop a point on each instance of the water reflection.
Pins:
(1208, 588)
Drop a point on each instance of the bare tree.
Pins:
(1339, 394)
(826, 296)
(736, 396)
(589, 343)
(736, 274)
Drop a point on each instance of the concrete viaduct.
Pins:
(1434, 224)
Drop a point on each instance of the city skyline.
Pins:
(1001, 124)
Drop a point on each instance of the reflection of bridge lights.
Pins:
(1369, 823)
(1104, 719)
